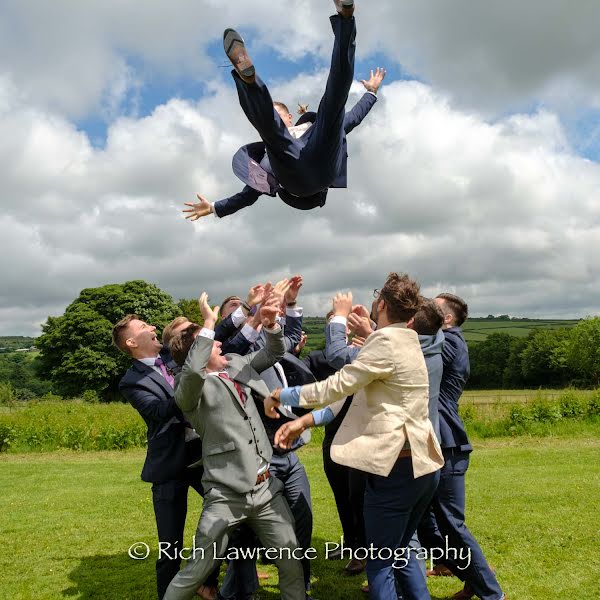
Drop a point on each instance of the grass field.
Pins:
(477, 330)
(67, 520)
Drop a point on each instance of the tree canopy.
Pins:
(76, 351)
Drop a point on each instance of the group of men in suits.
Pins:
(395, 450)
(227, 403)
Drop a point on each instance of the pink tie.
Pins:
(163, 369)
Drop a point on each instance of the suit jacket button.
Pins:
(245, 418)
(249, 441)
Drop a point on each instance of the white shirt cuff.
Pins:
(339, 319)
(207, 333)
(373, 93)
(293, 311)
(249, 333)
(214, 212)
(238, 316)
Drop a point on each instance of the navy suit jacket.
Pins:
(150, 394)
(455, 356)
(246, 166)
(232, 339)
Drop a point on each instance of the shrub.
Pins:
(518, 414)
(7, 394)
(545, 412)
(90, 396)
(6, 436)
(24, 395)
(593, 407)
(468, 413)
(571, 405)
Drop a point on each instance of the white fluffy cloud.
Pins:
(503, 212)
(78, 57)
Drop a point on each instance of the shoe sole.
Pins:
(230, 38)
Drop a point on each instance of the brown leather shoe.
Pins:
(235, 49)
(355, 566)
(207, 593)
(465, 594)
(439, 571)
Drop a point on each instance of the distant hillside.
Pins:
(9, 343)
(475, 329)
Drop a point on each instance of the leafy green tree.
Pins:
(76, 351)
(542, 361)
(488, 360)
(513, 375)
(19, 369)
(190, 309)
(582, 352)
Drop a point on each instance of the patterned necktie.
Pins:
(238, 387)
(163, 369)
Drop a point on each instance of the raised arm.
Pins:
(189, 383)
(361, 109)
(247, 197)
(275, 348)
(337, 351)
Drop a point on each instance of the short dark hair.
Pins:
(182, 341)
(401, 296)
(119, 332)
(228, 299)
(457, 306)
(429, 318)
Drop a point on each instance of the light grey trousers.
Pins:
(265, 510)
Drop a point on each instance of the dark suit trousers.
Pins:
(296, 491)
(449, 509)
(394, 506)
(170, 509)
(310, 164)
(348, 487)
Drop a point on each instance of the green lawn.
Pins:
(67, 520)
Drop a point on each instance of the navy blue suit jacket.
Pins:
(455, 356)
(231, 337)
(246, 166)
(151, 395)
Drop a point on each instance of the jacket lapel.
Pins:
(154, 377)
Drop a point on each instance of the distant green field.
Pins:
(475, 330)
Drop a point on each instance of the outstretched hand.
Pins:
(199, 209)
(374, 82)
(210, 315)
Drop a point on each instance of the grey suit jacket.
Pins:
(234, 440)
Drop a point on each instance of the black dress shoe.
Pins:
(234, 47)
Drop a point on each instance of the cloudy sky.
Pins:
(477, 171)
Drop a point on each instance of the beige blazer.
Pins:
(389, 381)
